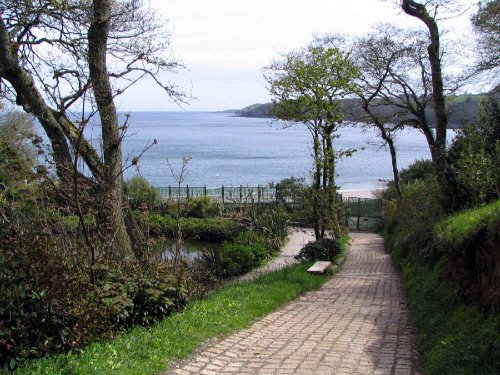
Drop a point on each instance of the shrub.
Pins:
(212, 230)
(452, 338)
(474, 158)
(417, 171)
(469, 241)
(53, 298)
(133, 295)
(291, 190)
(201, 207)
(236, 257)
(141, 194)
(271, 224)
(417, 210)
(323, 249)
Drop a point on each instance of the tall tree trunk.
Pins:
(394, 162)
(112, 218)
(438, 150)
(386, 136)
(333, 214)
(317, 186)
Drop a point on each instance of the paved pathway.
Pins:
(297, 238)
(356, 323)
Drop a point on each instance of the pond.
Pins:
(191, 249)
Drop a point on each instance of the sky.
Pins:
(224, 44)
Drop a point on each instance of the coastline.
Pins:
(347, 193)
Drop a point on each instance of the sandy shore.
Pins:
(360, 193)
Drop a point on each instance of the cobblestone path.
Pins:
(356, 323)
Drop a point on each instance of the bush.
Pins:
(211, 230)
(474, 159)
(469, 242)
(53, 298)
(201, 207)
(236, 257)
(418, 171)
(323, 249)
(452, 338)
(271, 224)
(413, 217)
(141, 194)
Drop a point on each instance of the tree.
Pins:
(427, 13)
(65, 62)
(377, 56)
(487, 24)
(305, 86)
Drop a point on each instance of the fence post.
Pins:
(205, 190)
(241, 194)
(222, 191)
(169, 191)
(359, 213)
(258, 195)
(187, 193)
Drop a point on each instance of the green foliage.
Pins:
(418, 170)
(237, 258)
(133, 295)
(475, 158)
(17, 154)
(469, 243)
(201, 207)
(452, 338)
(414, 214)
(306, 87)
(211, 229)
(53, 297)
(246, 252)
(323, 249)
(291, 190)
(458, 229)
(303, 81)
(141, 194)
(148, 351)
(272, 224)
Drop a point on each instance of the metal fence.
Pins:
(361, 213)
(224, 194)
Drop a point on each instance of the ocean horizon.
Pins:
(231, 150)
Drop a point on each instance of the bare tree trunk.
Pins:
(394, 162)
(438, 150)
(317, 187)
(112, 220)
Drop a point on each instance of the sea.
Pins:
(225, 149)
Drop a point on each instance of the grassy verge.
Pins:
(453, 338)
(148, 350)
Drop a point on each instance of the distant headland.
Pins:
(462, 110)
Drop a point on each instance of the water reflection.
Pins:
(191, 249)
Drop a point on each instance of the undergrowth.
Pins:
(453, 338)
(147, 351)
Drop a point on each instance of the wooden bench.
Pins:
(319, 267)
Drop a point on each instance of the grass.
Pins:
(452, 338)
(148, 350)
(458, 228)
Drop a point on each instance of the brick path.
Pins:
(356, 323)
